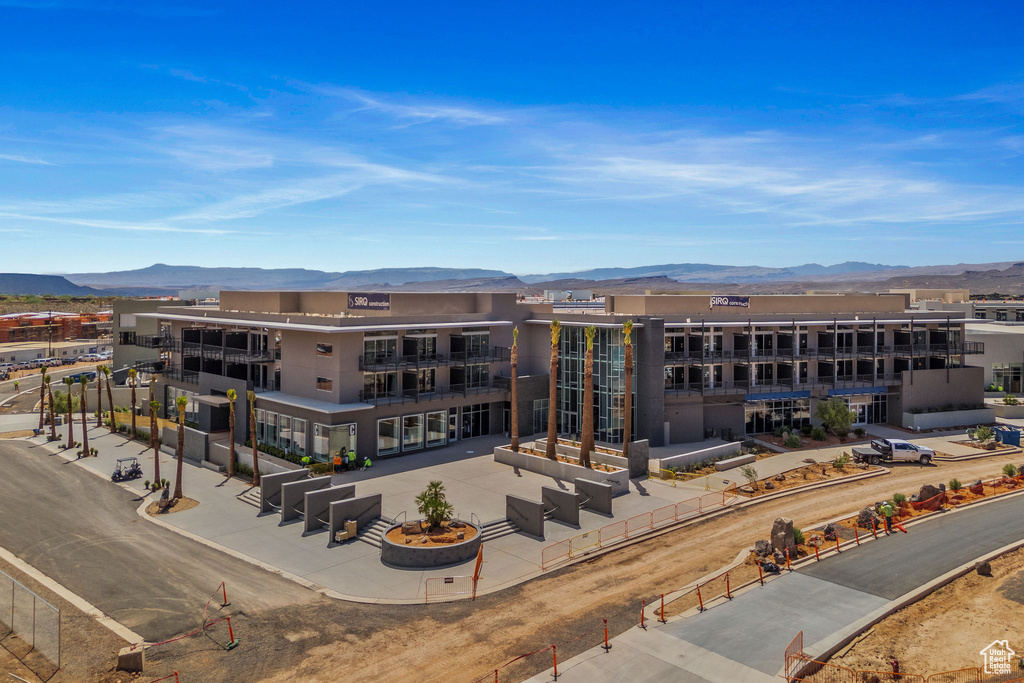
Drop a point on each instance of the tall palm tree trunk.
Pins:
(71, 423)
(154, 442)
(182, 402)
(627, 419)
(99, 399)
(85, 419)
(232, 396)
(587, 438)
(255, 442)
(53, 414)
(42, 397)
(556, 329)
(133, 380)
(513, 428)
(110, 402)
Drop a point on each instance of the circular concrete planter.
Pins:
(412, 555)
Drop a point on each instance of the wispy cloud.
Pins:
(417, 111)
(24, 160)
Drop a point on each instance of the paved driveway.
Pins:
(85, 534)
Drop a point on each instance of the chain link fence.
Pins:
(28, 624)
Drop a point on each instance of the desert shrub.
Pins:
(750, 474)
(841, 461)
(792, 441)
(1010, 400)
(955, 485)
(899, 498)
(780, 431)
(835, 415)
(321, 468)
(859, 432)
(243, 469)
(1009, 470)
(798, 536)
(983, 433)
(818, 434)
(806, 430)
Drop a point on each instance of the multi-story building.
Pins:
(54, 326)
(396, 373)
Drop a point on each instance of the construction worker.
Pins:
(305, 461)
(351, 458)
(886, 510)
(366, 462)
(337, 462)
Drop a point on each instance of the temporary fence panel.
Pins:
(612, 532)
(638, 523)
(35, 621)
(968, 675)
(709, 501)
(864, 675)
(663, 515)
(795, 647)
(687, 508)
(555, 552)
(584, 542)
(811, 671)
(447, 586)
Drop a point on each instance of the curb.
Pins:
(973, 456)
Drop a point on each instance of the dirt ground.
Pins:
(444, 536)
(948, 629)
(326, 640)
(184, 503)
(804, 476)
(807, 443)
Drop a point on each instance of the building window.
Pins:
(324, 383)
(412, 432)
(767, 416)
(271, 433)
(421, 344)
(425, 381)
(540, 415)
(127, 338)
(476, 420)
(379, 346)
(437, 428)
(261, 425)
(388, 442)
(1007, 376)
(477, 342)
(298, 436)
(325, 350)
(379, 384)
(321, 444)
(477, 376)
(284, 436)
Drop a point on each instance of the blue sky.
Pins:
(527, 137)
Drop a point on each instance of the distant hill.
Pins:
(705, 272)
(41, 285)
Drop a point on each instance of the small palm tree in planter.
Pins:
(587, 439)
(69, 382)
(556, 333)
(154, 440)
(434, 506)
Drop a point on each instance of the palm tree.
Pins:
(68, 382)
(556, 333)
(53, 410)
(251, 395)
(587, 438)
(434, 505)
(514, 409)
(152, 399)
(154, 407)
(182, 402)
(232, 395)
(110, 398)
(99, 395)
(83, 379)
(132, 378)
(42, 395)
(627, 419)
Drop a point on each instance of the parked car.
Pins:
(7, 367)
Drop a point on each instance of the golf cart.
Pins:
(126, 469)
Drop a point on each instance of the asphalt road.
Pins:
(26, 400)
(85, 534)
(901, 562)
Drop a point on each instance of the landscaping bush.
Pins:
(983, 433)
(798, 536)
(899, 498)
(750, 474)
(955, 485)
(780, 431)
(806, 430)
(321, 468)
(835, 415)
(1010, 400)
(433, 505)
(818, 434)
(841, 461)
(792, 441)
(860, 432)
(1010, 470)
(243, 469)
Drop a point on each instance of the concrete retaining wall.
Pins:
(687, 459)
(412, 555)
(619, 479)
(563, 505)
(364, 510)
(952, 418)
(219, 454)
(639, 458)
(1008, 412)
(318, 505)
(195, 442)
(270, 487)
(723, 465)
(600, 495)
(525, 514)
(293, 498)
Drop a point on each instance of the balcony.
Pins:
(386, 363)
(154, 341)
(176, 372)
(497, 386)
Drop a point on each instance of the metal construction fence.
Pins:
(441, 587)
(800, 667)
(29, 623)
(625, 529)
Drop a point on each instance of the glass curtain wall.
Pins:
(609, 381)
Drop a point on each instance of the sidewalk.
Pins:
(475, 485)
(744, 639)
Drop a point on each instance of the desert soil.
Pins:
(807, 443)
(445, 536)
(947, 629)
(806, 475)
(184, 503)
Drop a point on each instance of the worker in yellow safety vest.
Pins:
(886, 511)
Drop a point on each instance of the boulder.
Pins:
(762, 548)
(770, 568)
(865, 516)
(984, 569)
(830, 532)
(779, 558)
(746, 489)
(928, 491)
(977, 482)
(915, 498)
(782, 536)
(779, 477)
(411, 528)
(769, 485)
(810, 461)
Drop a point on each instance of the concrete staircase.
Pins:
(373, 534)
(497, 529)
(251, 497)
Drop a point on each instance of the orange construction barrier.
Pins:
(898, 526)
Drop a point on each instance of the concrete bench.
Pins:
(723, 465)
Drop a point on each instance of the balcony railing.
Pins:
(784, 385)
(383, 363)
(176, 372)
(436, 394)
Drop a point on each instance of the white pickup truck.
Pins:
(893, 450)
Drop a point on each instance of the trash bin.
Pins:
(1008, 435)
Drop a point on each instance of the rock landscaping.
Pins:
(803, 476)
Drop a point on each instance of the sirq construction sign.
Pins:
(740, 301)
